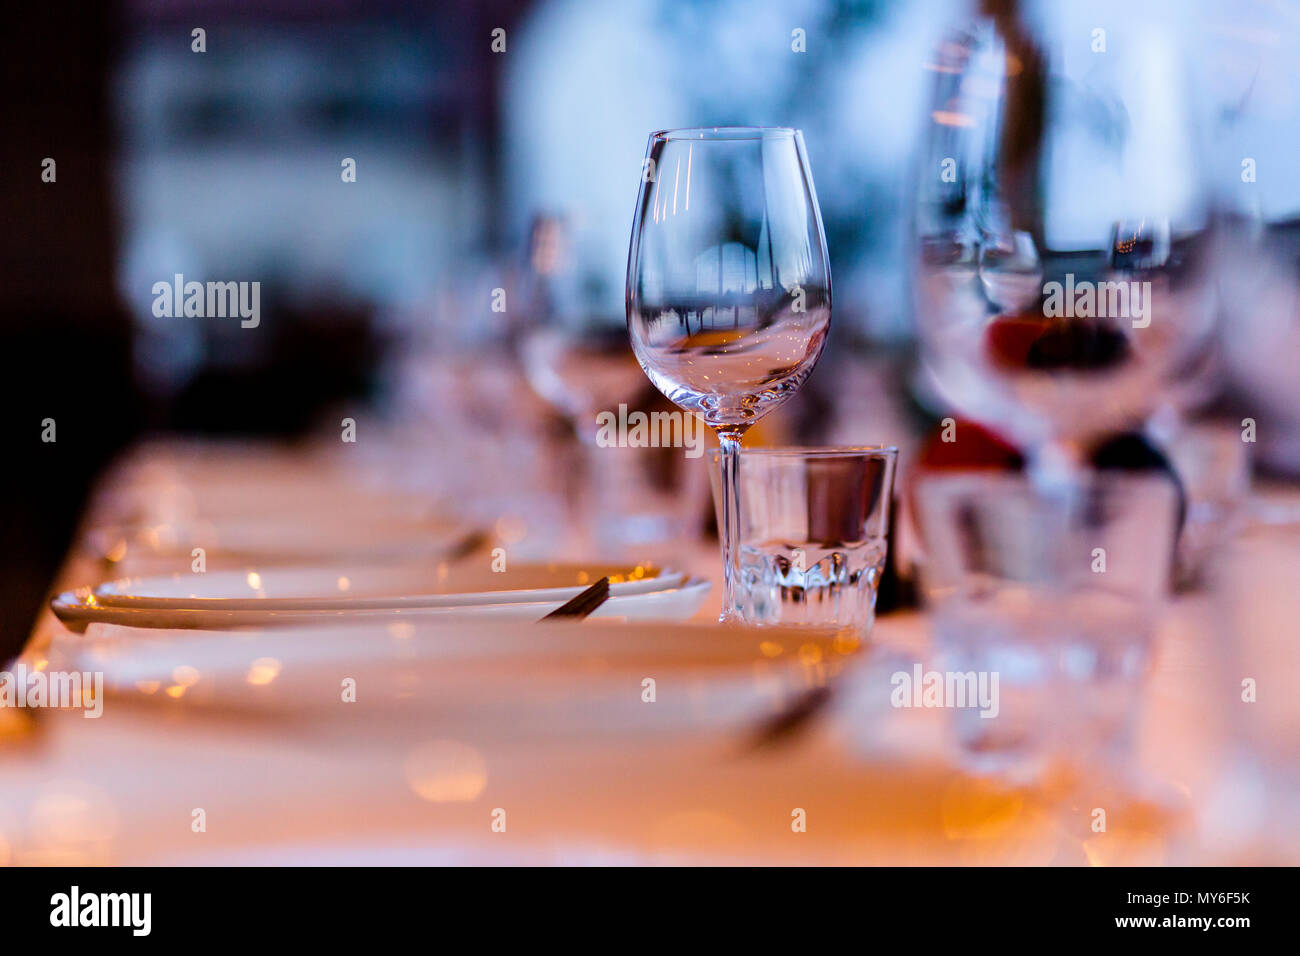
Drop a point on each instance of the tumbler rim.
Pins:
(815, 451)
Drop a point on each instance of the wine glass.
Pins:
(1259, 261)
(574, 355)
(1063, 227)
(728, 284)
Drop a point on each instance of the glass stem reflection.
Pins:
(729, 531)
(1058, 465)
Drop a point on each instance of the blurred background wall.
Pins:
(226, 165)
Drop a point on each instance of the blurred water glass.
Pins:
(812, 534)
(645, 497)
(1250, 808)
(1257, 261)
(1259, 276)
(1053, 595)
(1212, 463)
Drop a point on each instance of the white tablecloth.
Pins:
(872, 787)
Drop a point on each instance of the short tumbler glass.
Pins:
(813, 534)
(1054, 592)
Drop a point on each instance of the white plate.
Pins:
(527, 592)
(329, 587)
(587, 676)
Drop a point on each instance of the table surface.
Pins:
(124, 788)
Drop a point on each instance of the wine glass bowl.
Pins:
(1063, 227)
(729, 292)
(581, 371)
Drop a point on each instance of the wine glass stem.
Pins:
(729, 533)
(584, 507)
(1057, 466)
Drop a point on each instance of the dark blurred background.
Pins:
(226, 165)
(221, 164)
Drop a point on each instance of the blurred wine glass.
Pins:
(1257, 139)
(728, 284)
(581, 370)
(574, 354)
(1063, 226)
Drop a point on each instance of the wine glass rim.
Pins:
(817, 451)
(725, 133)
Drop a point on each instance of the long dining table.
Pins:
(860, 783)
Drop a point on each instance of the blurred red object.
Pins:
(1010, 339)
(964, 444)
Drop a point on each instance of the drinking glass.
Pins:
(1063, 225)
(813, 532)
(574, 351)
(1056, 596)
(574, 354)
(728, 284)
(1259, 260)
(1249, 799)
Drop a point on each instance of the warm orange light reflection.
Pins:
(978, 809)
(263, 671)
(446, 771)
